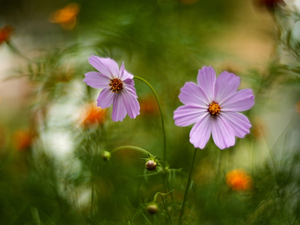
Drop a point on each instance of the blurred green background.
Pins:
(52, 140)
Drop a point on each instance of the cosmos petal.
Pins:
(96, 80)
(187, 115)
(105, 99)
(222, 92)
(129, 86)
(239, 123)
(119, 111)
(106, 66)
(240, 101)
(127, 75)
(222, 133)
(131, 104)
(201, 131)
(226, 85)
(121, 72)
(191, 94)
(206, 81)
(125, 99)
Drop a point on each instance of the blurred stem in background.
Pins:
(16, 50)
(164, 166)
(92, 202)
(166, 182)
(187, 188)
(145, 31)
(161, 195)
(133, 148)
(162, 119)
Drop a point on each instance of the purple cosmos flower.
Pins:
(213, 106)
(117, 88)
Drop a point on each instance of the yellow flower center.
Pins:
(115, 85)
(214, 109)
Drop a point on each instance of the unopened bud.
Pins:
(106, 155)
(152, 208)
(150, 165)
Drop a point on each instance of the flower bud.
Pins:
(106, 155)
(150, 165)
(152, 208)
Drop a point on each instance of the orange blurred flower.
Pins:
(5, 33)
(93, 115)
(149, 106)
(66, 17)
(238, 180)
(22, 139)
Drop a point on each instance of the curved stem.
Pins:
(92, 203)
(162, 199)
(16, 50)
(187, 188)
(151, 174)
(162, 118)
(166, 182)
(132, 148)
(162, 194)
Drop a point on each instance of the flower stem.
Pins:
(132, 148)
(161, 195)
(166, 182)
(92, 203)
(162, 199)
(162, 118)
(187, 188)
(16, 50)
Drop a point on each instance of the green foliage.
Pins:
(165, 42)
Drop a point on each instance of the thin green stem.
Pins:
(92, 203)
(166, 209)
(166, 182)
(16, 50)
(187, 188)
(168, 187)
(219, 164)
(162, 118)
(273, 176)
(146, 218)
(132, 148)
(161, 194)
(297, 215)
(35, 215)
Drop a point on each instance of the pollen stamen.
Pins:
(116, 85)
(214, 109)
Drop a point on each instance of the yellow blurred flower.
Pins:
(93, 115)
(238, 180)
(5, 33)
(22, 139)
(66, 17)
